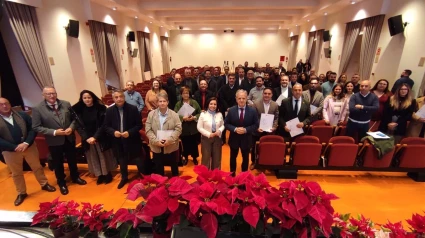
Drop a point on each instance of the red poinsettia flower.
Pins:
(362, 226)
(396, 230)
(206, 175)
(143, 187)
(124, 215)
(46, 213)
(417, 223)
(94, 216)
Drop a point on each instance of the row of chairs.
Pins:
(340, 153)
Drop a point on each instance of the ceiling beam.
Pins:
(251, 23)
(243, 18)
(199, 13)
(225, 4)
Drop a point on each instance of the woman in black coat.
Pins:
(89, 113)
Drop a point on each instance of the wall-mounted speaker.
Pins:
(73, 28)
(131, 36)
(326, 36)
(396, 25)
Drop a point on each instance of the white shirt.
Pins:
(284, 91)
(9, 118)
(240, 81)
(266, 107)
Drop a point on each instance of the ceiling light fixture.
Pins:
(136, 17)
(353, 2)
(308, 20)
(326, 13)
(161, 26)
(296, 25)
(150, 22)
(114, 8)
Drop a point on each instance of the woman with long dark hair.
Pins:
(381, 91)
(89, 113)
(335, 106)
(348, 89)
(398, 111)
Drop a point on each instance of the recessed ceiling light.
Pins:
(308, 20)
(326, 13)
(136, 17)
(114, 8)
(161, 26)
(353, 2)
(296, 25)
(150, 22)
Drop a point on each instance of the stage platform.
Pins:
(380, 196)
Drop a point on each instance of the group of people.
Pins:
(220, 103)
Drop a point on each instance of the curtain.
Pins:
(352, 31)
(372, 31)
(316, 55)
(310, 44)
(24, 23)
(165, 54)
(97, 33)
(142, 52)
(292, 52)
(148, 52)
(112, 38)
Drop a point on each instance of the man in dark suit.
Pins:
(281, 68)
(52, 118)
(283, 89)
(241, 121)
(170, 80)
(291, 108)
(227, 99)
(17, 143)
(218, 78)
(189, 81)
(240, 77)
(315, 98)
(122, 123)
(203, 95)
(249, 82)
(267, 106)
(212, 84)
(173, 91)
(300, 66)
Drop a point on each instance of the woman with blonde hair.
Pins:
(151, 101)
(398, 111)
(335, 106)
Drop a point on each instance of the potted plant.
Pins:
(95, 220)
(47, 215)
(124, 223)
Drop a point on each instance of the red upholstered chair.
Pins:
(143, 136)
(371, 159)
(271, 151)
(341, 152)
(324, 133)
(43, 148)
(306, 151)
(374, 125)
(411, 153)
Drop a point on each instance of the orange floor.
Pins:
(380, 196)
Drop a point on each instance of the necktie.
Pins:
(55, 109)
(296, 107)
(241, 117)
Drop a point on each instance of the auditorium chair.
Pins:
(374, 125)
(271, 151)
(306, 151)
(370, 157)
(341, 152)
(322, 131)
(411, 153)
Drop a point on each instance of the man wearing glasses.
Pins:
(52, 118)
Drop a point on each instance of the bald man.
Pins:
(17, 143)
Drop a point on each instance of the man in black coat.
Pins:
(241, 121)
(203, 95)
(218, 78)
(189, 81)
(212, 84)
(173, 91)
(249, 82)
(282, 89)
(227, 99)
(123, 122)
(404, 78)
(291, 108)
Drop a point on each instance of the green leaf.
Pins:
(184, 222)
(84, 231)
(345, 217)
(125, 228)
(260, 228)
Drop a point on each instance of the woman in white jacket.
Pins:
(211, 125)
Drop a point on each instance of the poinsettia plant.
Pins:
(94, 218)
(417, 224)
(57, 214)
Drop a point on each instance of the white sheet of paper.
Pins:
(421, 112)
(266, 122)
(186, 110)
(292, 125)
(378, 135)
(279, 99)
(163, 134)
(312, 108)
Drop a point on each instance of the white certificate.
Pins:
(266, 122)
(163, 134)
(292, 125)
(279, 99)
(186, 110)
(421, 112)
(312, 109)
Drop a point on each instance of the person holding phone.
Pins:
(164, 149)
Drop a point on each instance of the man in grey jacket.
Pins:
(52, 118)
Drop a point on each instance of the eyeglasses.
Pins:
(50, 94)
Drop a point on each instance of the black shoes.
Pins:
(100, 179)
(107, 178)
(64, 189)
(122, 183)
(48, 188)
(195, 161)
(184, 161)
(20, 199)
(79, 181)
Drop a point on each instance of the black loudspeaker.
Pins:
(326, 36)
(131, 36)
(395, 24)
(73, 28)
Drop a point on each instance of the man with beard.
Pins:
(283, 89)
(275, 78)
(257, 91)
(328, 86)
(355, 80)
(404, 78)
(240, 77)
(267, 80)
(293, 79)
(315, 98)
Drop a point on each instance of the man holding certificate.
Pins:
(294, 114)
(268, 115)
(241, 121)
(163, 128)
